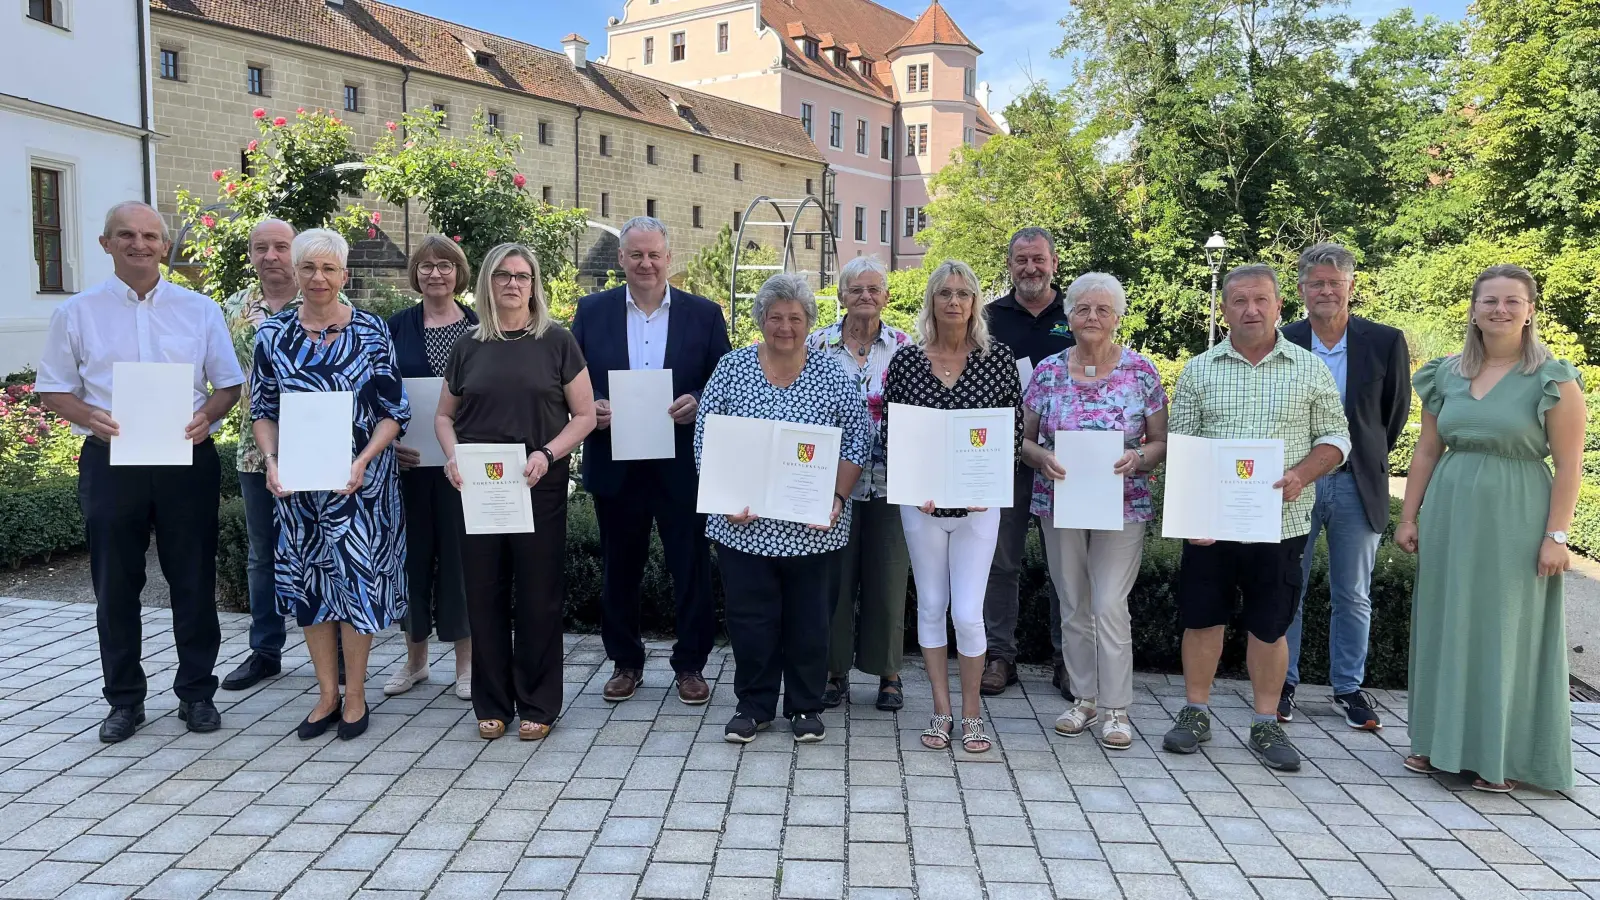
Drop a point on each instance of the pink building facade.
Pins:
(888, 100)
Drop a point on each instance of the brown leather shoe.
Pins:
(997, 676)
(623, 683)
(692, 688)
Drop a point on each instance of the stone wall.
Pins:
(205, 120)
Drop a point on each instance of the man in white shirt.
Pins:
(136, 316)
(646, 324)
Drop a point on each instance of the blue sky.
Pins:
(1015, 42)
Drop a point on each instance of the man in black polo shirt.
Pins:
(1032, 321)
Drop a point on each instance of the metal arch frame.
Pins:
(786, 259)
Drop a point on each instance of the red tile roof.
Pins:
(935, 26)
(874, 28)
(389, 34)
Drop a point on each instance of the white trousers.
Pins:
(1093, 572)
(950, 561)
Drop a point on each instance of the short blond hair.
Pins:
(439, 247)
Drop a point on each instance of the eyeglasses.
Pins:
(312, 270)
(963, 295)
(1096, 312)
(443, 268)
(523, 279)
(864, 292)
(1511, 303)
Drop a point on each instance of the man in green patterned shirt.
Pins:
(274, 291)
(1254, 385)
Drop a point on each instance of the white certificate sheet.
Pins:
(152, 404)
(1091, 495)
(1025, 372)
(420, 436)
(494, 495)
(777, 470)
(1223, 490)
(955, 458)
(315, 436)
(640, 426)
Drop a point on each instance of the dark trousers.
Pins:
(120, 506)
(1001, 601)
(624, 521)
(436, 586)
(267, 631)
(515, 586)
(778, 610)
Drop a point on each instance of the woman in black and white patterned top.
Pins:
(780, 578)
(423, 336)
(954, 366)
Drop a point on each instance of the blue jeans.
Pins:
(1352, 552)
(266, 623)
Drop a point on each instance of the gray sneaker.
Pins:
(1271, 745)
(1192, 729)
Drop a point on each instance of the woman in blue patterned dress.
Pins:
(340, 559)
(780, 578)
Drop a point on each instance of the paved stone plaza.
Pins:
(646, 800)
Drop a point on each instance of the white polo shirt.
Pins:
(110, 323)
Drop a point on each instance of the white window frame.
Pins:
(916, 220)
(60, 15)
(863, 139)
(886, 141)
(885, 227)
(71, 234)
(724, 37)
(648, 51)
(969, 83)
(861, 225)
(835, 129)
(967, 135)
(808, 119)
(676, 41)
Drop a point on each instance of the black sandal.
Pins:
(891, 694)
(835, 692)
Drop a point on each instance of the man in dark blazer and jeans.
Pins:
(645, 324)
(1372, 366)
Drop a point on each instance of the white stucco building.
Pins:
(74, 139)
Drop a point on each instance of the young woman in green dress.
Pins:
(1488, 674)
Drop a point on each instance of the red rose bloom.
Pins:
(259, 113)
(519, 179)
(280, 121)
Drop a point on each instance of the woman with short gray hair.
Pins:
(1096, 386)
(873, 565)
(780, 577)
(340, 554)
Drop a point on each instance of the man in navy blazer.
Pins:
(1372, 366)
(645, 324)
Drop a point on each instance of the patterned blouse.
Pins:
(244, 312)
(823, 394)
(868, 376)
(438, 342)
(1121, 401)
(989, 381)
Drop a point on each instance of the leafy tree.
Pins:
(709, 273)
(294, 174)
(470, 188)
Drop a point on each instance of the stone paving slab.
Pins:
(646, 800)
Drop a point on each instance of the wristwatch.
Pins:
(1559, 537)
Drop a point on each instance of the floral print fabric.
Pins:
(868, 376)
(1119, 402)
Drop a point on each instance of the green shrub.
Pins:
(39, 519)
(233, 547)
(1584, 536)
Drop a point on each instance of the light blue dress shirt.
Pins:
(1335, 357)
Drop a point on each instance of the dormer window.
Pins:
(864, 66)
(838, 58)
(807, 46)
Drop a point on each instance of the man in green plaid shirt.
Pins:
(1254, 385)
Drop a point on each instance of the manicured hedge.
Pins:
(39, 520)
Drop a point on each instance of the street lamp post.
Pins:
(1216, 254)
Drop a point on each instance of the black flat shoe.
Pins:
(120, 723)
(348, 730)
(251, 672)
(201, 715)
(891, 694)
(835, 692)
(309, 729)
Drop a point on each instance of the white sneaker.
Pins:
(404, 680)
(1116, 731)
(464, 688)
(1076, 720)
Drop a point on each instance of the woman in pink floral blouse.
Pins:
(1097, 385)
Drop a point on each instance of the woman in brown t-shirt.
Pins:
(519, 378)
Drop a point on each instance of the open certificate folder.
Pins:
(777, 470)
(494, 495)
(957, 458)
(1223, 489)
